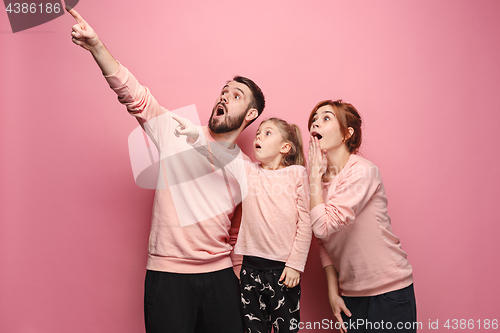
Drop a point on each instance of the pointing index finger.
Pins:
(183, 122)
(79, 19)
(177, 118)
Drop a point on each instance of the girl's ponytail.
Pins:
(291, 134)
(298, 157)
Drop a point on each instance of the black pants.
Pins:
(192, 303)
(266, 302)
(394, 311)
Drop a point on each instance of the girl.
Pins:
(275, 232)
(359, 251)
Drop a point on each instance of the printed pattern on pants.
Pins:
(267, 303)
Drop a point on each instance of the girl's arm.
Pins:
(297, 259)
(336, 302)
(302, 241)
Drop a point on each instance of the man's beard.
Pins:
(228, 125)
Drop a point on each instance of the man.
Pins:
(190, 284)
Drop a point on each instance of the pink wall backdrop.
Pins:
(424, 74)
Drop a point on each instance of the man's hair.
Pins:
(258, 102)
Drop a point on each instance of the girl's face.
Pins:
(325, 126)
(268, 144)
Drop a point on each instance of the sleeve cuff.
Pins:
(317, 212)
(201, 141)
(325, 259)
(119, 78)
(296, 266)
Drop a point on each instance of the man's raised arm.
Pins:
(138, 99)
(82, 34)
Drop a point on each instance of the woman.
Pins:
(366, 270)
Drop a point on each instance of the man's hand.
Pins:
(186, 128)
(290, 277)
(82, 33)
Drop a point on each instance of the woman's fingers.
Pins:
(344, 308)
(316, 154)
(316, 148)
(316, 145)
(312, 149)
(338, 316)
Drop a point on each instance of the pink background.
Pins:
(424, 74)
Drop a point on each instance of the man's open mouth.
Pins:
(220, 110)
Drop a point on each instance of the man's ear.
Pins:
(251, 114)
(285, 147)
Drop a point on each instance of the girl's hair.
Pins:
(348, 116)
(290, 134)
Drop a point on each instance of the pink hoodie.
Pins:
(275, 220)
(356, 235)
(191, 227)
